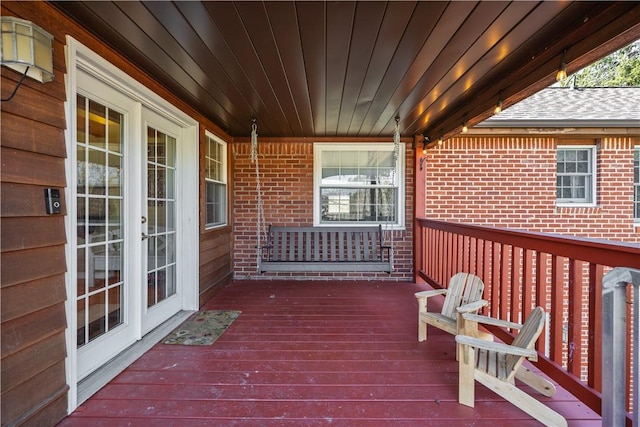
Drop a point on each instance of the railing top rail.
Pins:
(603, 252)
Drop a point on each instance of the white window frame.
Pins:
(591, 199)
(399, 178)
(211, 138)
(636, 184)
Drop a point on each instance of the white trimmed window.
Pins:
(358, 184)
(575, 175)
(636, 184)
(215, 178)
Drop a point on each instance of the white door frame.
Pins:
(79, 57)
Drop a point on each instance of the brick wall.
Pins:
(286, 180)
(510, 182)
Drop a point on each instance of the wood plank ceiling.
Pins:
(348, 69)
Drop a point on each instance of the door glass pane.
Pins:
(97, 124)
(99, 220)
(161, 216)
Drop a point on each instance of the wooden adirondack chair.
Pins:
(462, 296)
(496, 365)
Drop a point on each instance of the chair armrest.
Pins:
(472, 307)
(499, 347)
(491, 321)
(432, 293)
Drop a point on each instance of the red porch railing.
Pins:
(522, 270)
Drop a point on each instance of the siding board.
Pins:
(32, 296)
(28, 395)
(31, 264)
(25, 134)
(31, 168)
(32, 102)
(27, 330)
(31, 232)
(20, 366)
(49, 412)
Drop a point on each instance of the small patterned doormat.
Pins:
(202, 328)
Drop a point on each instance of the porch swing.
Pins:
(321, 249)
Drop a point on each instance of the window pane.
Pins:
(81, 120)
(216, 203)
(358, 204)
(97, 124)
(583, 167)
(330, 175)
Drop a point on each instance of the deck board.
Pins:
(308, 354)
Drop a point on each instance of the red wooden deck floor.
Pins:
(308, 354)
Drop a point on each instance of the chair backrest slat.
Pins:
(527, 337)
(463, 288)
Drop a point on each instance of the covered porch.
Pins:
(309, 353)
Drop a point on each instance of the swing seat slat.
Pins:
(325, 249)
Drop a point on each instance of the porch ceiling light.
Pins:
(498, 108)
(562, 71)
(26, 48)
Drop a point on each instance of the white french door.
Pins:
(161, 293)
(132, 194)
(105, 287)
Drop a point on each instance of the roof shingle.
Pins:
(579, 107)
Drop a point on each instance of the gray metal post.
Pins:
(614, 363)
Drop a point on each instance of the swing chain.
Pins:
(261, 232)
(396, 155)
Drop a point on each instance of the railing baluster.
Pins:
(541, 298)
(557, 308)
(515, 285)
(504, 281)
(594, 378)
(527, 283)
(575, 318)
(486, 272)
(496, 292)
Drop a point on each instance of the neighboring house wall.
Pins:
(511, 182)
(286, 179)
(33, 265)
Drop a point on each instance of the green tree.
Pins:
(621, 68)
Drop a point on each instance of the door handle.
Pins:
(144, 236)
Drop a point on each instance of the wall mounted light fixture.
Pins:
(423, 159)
(26, 48)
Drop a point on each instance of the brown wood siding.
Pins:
(34, 389)
(33, 264)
